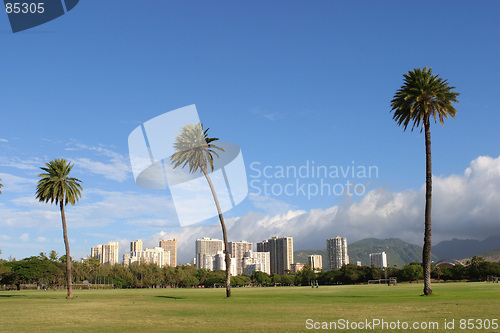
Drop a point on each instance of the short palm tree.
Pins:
(421, 97)
(194, 148)
(57, 187)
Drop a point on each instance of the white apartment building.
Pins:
(378, 259)
(237, 251)
(155, 255)
(106, 253)
(256, 261)
(315, 261)
(207, 247)
(219, 263)
(337, 252)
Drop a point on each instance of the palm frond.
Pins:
(421, 97)
(55, 185)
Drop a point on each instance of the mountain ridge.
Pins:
(465, 248)
(400, 252)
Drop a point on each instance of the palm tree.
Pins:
(194, 148)
(421, 97)
(1, 186)
(56, 186)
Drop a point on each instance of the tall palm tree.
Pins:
(57, 187)
(421, 97)
(194, 148)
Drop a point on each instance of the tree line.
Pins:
(49, 272)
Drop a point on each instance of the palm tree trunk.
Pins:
(68, 257)
(426, 253)
(224, 235)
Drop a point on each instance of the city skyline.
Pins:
(254, 79)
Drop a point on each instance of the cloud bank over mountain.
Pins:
(464, 206)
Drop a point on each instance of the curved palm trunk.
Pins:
(224, 234)
(426, 253)
(68, 258)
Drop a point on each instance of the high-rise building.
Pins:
(256, 261)
(337, 252)
(315, 261)
(263, 246)
(378, 259)
(170, 246)
(155, 255)
(237, 251)
(106, 253)
(264, 260)
(281, 253)
(204, 247)
(296, 267)
(94, 252)
(136, 246)
(219, 263)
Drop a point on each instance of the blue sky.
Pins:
(290, 82)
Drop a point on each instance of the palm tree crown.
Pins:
(1, 186)
(423, 95)
(194, 148)
(56, 186)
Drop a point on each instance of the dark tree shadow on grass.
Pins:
(170, 297)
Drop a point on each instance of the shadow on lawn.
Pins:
(171, 297)
(12, 295)
(342, 296)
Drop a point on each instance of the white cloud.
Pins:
(96, 208)
(41, 239)
(269, 205)
(266, 114)
(3, 140)
(115, 170)
(5, 237)
(23, 164)
(115, 167)
(136, 208)
(13, 183)
(464, 206)
(24, 237)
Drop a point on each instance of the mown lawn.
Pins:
(283, 309)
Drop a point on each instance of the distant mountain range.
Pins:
(400, 252)
(492, 255)
(465, 248)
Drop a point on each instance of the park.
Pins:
(470, 306)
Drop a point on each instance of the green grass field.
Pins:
(283, 309)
